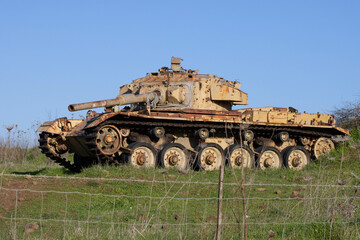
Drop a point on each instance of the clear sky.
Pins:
(304, 54)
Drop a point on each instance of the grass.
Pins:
(315, 203)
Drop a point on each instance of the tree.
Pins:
(348, 116)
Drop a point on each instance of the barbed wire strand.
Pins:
(181, 182)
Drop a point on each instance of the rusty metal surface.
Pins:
(120, 100)
(205, 116)
(181, 102)
(59, 126)
(184, 95)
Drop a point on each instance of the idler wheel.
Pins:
(210, 156)
(268, 157)
(56, 145)
(174, 155)
(240, 156)
(296, 157)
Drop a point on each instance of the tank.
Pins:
(178, 118)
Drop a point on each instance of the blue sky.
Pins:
(304, 54)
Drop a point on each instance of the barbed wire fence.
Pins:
(168, 209)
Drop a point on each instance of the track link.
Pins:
(45, 149)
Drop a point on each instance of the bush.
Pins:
(348, 116)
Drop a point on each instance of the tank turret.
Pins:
(175, 88)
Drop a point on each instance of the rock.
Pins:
(176, 215)
(31, 227)
(262, 207)
(300, 189)
(212, 218)
(183, 171)
(296, 194)
(277, 191)
(261, 189)
(29, 230)
(304, 179)
(171, 176)
(28, 176)
(141, 217)
(341, 182)
(163, 171)
(271, 234)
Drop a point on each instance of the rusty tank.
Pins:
(178, 118)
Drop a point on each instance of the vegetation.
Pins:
(168, 204)
(103, 202)
(348, 115)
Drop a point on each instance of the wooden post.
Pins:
(220, 198)
(244, 201)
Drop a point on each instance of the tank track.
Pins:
(259, 129)
(91, 145)
(44, 147)
(91, 133)
(141, 123)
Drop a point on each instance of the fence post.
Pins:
(220, 198)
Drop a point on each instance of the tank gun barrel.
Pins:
(123, 99)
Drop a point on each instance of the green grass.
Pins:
(112, 208)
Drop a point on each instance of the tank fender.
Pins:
(343, 131)
(99, 119)
(59, 125)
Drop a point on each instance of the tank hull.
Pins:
(180, 127)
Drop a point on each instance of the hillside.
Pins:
(43, 200)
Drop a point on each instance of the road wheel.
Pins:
(174, 155)
(268, 157)
(323, 146)
(240, 156)
(142, 155)
(210, 156)
(296, 157)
